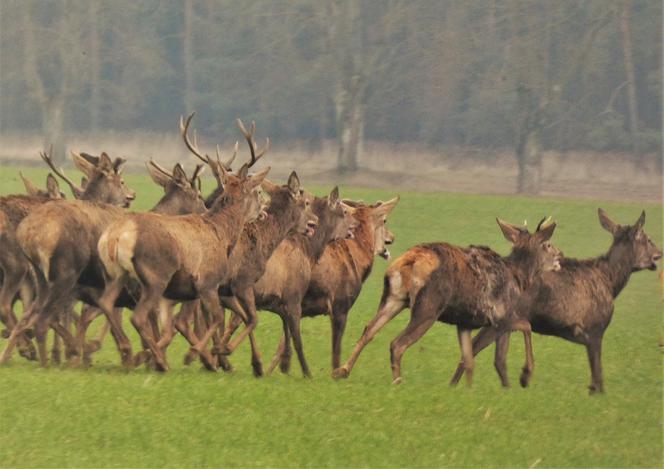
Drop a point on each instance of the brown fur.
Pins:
(577, 302)
(179, 258)
(288, 271)
(468, 287)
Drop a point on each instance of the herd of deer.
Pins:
(255, 245)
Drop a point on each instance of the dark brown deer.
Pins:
(59, 239)
(177, 258)
(337, 277)
(288, 272)
(467, 287)
(576, 302)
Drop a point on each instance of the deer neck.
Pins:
(616, 265)
(524, 267)
(227, 218)
(171, 204)
(363, 258)
(276, 227)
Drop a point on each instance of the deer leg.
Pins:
(56, 350)
(293, 317)
(189, 311)
(245, 296)
(500, 358)
(167, 327)
(390, 306)
(527, 371)
(338, 327)
(11, 284)
(27, 321)
(114, 317)
(418, 325)
(276, 359)
(594, 349)
(151, 295)
(88, 314)
(466, 345)
(485, 337)
(210, 302)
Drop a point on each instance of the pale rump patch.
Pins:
(411, 270)
(116, 248)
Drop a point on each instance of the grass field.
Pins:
(105, 416)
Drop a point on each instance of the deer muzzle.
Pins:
(311, 228)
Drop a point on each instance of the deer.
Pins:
(14, 268)
(284, 283)
(337, 277)
(467, 287)
(182, 195)
(59, 240)
(594, 284)
(177, 258)
(289, 212)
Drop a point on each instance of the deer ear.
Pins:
(83, 165)
(544, 234)
(53, 187)
(641, 221)
(30, 187)
(333, 198)
(179, 175)
(158, 176)
(510, 231)
(604, 220)
(256, 179)
(382, 209)
(105, 163)
(294, 184)
(244, 172)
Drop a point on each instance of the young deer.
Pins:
(288, 272)
(467, 287)
(177, 258)
(593, 284)
(59, 239)
(337, 277)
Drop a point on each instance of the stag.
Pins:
(287, 275)
(59, 240)
(467, 287)
(593, 284)
(177, 258)
(182, 195)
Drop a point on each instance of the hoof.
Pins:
(74, 361)
(225, 365)
(258, 369)
(284, 365)
(141, 357)
(209, 363)
(397, 380)
(92, 346)
(190, 357)
(340, 373)
(524, 380)
(28, 353)
(5, 333)
(56, 357)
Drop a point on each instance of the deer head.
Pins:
(182, 194)
(52, 188)
(632, 240)
(535, 246)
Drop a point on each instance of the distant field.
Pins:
(107, 417)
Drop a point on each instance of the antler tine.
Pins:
(249, 136)
(184, 129)
(227, 164)
(76, 190)
(543, 223)
(197, 172)
(160, 168)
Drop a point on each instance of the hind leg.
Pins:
(420, 322)
(485, 337)
(391, 305)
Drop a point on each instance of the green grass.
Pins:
(107, 417)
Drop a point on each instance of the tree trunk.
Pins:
(187, 57)
(95, 67)
(53, 121)
(629, 69)
(529, 157)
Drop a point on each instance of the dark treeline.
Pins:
(526, 74)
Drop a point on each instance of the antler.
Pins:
(249, 136)
(544, 222)
(76, 190)
(193, 146)
(160, 168)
